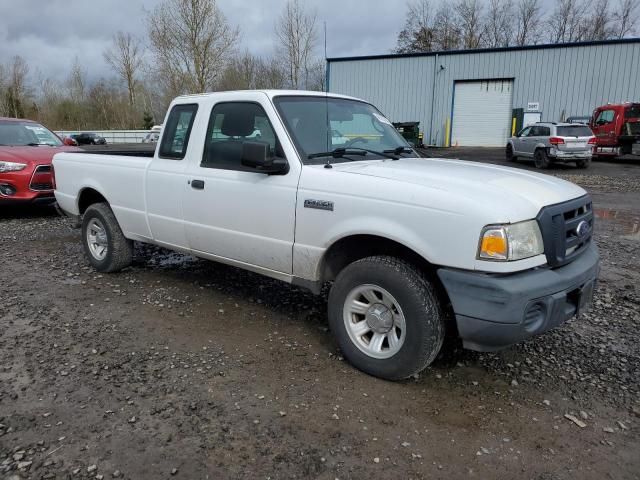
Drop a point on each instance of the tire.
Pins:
(415, 319)
(509, 154)
(583, 163)
(100, 229)
(541, 159)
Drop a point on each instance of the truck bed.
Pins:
(125, 149)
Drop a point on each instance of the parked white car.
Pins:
(549, 142)
(411, 246)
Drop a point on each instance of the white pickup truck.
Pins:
(411, 246)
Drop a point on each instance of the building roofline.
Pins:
(487, 50)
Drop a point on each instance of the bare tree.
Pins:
(499, 23)
(567, 21)
(192, 42)
(470, 21)
(626, 18)
(16, 87)
(446, 31)
(528, 20)
(77, 82)
(125, 56)
(598, 25)
(296, 35)
(417, 34)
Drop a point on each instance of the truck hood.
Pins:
(37, 155)
(477, 182)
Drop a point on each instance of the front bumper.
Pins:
(495, 311)
(29, 185)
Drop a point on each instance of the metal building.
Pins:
(478, 97)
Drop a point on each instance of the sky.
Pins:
(50, 34)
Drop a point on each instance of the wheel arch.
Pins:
(87, 197)
(353, 247)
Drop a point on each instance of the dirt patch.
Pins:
(182, 368)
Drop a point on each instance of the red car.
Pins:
(617, 129)
(26, 151)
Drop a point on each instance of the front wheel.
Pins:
(541, 159)
(106, 247)
(509, 154)
(386, 317)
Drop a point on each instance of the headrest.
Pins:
(238, 122)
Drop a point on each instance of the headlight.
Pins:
(510, 242)
(11, 166)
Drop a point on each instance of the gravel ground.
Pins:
(182, 368)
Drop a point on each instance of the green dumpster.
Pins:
(410, 131)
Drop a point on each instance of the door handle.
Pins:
(197, 184)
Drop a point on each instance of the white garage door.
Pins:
(482, 113)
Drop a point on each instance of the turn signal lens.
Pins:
(511, 242)
(494, 244)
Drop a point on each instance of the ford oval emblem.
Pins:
(583, 229)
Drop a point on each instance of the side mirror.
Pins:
(69, 141)
(256, 155)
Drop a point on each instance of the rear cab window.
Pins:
(175, 139)
(632, 112)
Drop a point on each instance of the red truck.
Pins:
(617, 129)
(26, 151)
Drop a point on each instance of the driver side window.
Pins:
(524, 132)
(606, 116)
(231, 125)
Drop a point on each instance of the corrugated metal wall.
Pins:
(567, 80)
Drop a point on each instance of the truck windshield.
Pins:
(324, 124)
(18, 133)
(632, 112)
(575, 131)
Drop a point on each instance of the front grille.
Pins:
(41, 186)
(567, 229)
(41, 180)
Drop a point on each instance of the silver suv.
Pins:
(548, 142)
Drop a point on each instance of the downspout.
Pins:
(433, 97)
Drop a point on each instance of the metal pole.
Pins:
(433, 97)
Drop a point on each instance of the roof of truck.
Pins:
(269, 93)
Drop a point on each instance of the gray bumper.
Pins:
(494, 311)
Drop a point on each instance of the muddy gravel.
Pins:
(182, 368)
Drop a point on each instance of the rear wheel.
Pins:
(386, 317)
(509, 154)
(583, 163)
(541, 159)
(106, 247)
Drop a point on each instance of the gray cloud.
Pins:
(50, 34)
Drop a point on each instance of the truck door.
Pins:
(232, 211)
(166, 178)
(604, 127)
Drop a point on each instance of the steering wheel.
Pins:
(355, 140)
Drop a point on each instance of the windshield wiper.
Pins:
(341, 152)
(338, 153)
(399, 150)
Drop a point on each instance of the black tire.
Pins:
(541, 159)
(509, 154)
(119, 249)
(418, 301)
(583, 163)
